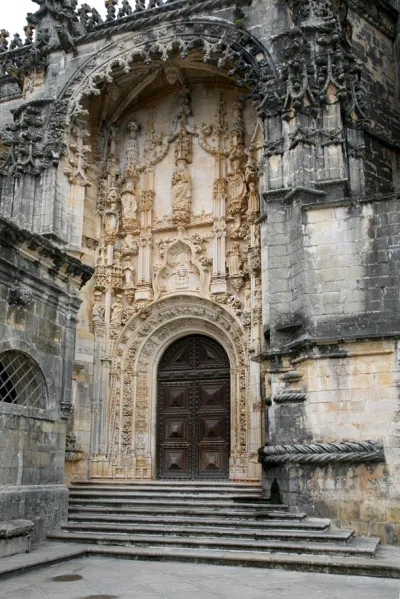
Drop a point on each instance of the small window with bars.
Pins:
(21, 381)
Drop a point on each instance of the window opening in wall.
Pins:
(21, 380)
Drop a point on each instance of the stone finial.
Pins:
(111, 9)
(125, 9)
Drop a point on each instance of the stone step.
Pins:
(356, 564)
(341, 536)
(157, 502)
(168, 488)
(173, 520)
(332, 543)
(248, 498)
(195, 522)
(385, 562)
(167, 482)
(181, 528)
(233, 514)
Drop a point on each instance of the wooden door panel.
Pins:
(176, 429)
(193, 411)
(212, 430)
(175, 463)
(212, 395)
(176, 397)
(212, 463)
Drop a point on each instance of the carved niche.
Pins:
(180, 272)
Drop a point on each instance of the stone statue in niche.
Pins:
(253, 199)
(132, 152)
(247, 297)
(234, 261)
(181, 193)
(129, 198)
(236, 190)
(181, 180)
(129, 245)
(110, 222)
(116, 310)
(128, 271)
(98, 309)
(129, 202)
(251, 176)
(236, 181)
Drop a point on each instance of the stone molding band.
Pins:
(322, 453)
(288, 397)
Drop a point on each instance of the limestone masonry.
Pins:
(199, 208)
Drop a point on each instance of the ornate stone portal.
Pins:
(177, 203)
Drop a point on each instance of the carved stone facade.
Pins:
(169, 262)
(230, 171)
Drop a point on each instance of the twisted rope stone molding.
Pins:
(288, 397)
(322, 453)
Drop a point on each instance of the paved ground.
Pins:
(104, 578)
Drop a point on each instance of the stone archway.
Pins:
(178, 204)
(131, 410)
(220, 43)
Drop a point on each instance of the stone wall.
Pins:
(350, 393)
(331, 289)
(373, 44)
(38, 307)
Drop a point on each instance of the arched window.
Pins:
(21, 380)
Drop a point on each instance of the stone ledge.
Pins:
(35, 247)
(15, 528)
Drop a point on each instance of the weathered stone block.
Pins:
(349, 511)
(15, 537)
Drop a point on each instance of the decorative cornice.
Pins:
(355, 452)
(86, 26)
(35, 246)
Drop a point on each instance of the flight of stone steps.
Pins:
(205, 521)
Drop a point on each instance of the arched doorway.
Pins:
(193, 410)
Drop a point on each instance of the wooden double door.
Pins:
(193, 410)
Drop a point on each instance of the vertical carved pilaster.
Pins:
(75, 167)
